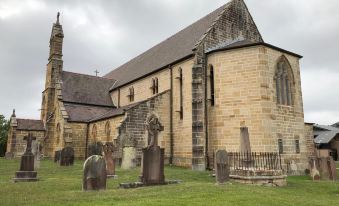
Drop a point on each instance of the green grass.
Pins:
(62, 186)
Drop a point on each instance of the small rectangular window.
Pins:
(280, 146)
(297, 146)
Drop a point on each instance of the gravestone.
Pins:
(94, 149)
(108, 155)
(67, 156)
(36, 153)
(315, 174)
(94, 176)
(245, 145)
(222, 167)
(57, 156)
(153, 155)
(26, 172)
(293, 168)
(129, 152)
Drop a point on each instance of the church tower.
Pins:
(54, 71)
(53, 83)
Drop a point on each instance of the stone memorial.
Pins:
(67, 156)
(37, 154)
(26, 172)
(315, 174)
(57, 156)
(153, 155)
(110, 164)
(94, 149)
(94, 176)
(222, 167)
(245, 145)
(327, 168)
(129, 152)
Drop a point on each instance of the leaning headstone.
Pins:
(222, 167)
(108, 155)
(153, 155)
(129, 152)
(94, 149)
(94, 176)
(26, 172)
(67, 156)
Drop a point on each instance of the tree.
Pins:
(4, 127)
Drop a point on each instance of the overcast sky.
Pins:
(104, 34)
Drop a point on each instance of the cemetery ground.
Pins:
(62, 186)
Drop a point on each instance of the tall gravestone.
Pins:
(67, 156)
(222, 167)
(153, 155)
(94, 149)
(26, 172)
(108, 155)
(94, 176)
(245, 145)
(129, 152)
(36, 153)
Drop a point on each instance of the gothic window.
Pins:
(280, 146)
(58, 133)
(211, 76)
(131, 94)
(297, 146)
(181, 112)
(94, 132)
(108, 131)
(155, 86)
(284, 82)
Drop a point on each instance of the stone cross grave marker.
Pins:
(153, 155)
(26, 172)
(222, 167)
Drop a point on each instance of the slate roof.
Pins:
(86, 89)
(175, 48)
(84, 113)
(325, 133)
(30, 125)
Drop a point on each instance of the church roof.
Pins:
(178, 47)
(30, 125)
(86, 89)
(84, 113)
(324, 133)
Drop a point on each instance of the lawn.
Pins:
(62, 186)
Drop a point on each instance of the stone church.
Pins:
(204, 83)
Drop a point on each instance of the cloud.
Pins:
(104, 34)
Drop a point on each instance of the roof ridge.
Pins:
(189, 26)
(90, 75)
(29, 119)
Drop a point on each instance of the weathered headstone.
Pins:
(36, 153)
(94, 149)
(327, 168)
(293, 168)
(315, 174)
(153, 155)
(94, 176)
(26, 172)
(67, 156)
(222, 167)
(57, 156)
(245, 145)
(129, 152)
(108, 155)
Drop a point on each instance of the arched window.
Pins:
(155, 86)
(211, 75)
(108, 131)
(284, 82)
(131, 94)
(94, 132)
(58, 133)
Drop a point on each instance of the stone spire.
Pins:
(56, 40)
(13, 123)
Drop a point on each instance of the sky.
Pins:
(103, 34)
